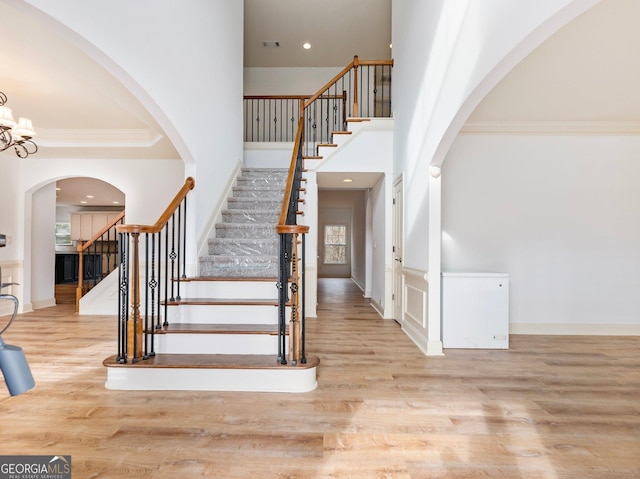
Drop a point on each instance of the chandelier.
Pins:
(15, 134)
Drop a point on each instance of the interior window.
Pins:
(335, 244)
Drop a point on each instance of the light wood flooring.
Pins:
(549, 407)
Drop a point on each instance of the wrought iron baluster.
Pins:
(179, 249)
(146, 298)
(172, 256)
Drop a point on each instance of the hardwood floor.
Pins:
(549, 407)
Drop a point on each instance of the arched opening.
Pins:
(64, 213)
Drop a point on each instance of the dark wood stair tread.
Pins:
(193, 328)
(211, 361)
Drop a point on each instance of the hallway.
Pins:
(550, 407)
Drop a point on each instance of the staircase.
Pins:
(226, 329)
(222, 332)
(245, 243)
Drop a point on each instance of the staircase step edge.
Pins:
(211, 361)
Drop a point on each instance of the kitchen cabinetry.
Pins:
(85, 226)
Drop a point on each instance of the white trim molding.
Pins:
(96, 138)
(551, 128)
(575, 329)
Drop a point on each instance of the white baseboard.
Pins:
(375, 305)
(575, 329)
(43, 303)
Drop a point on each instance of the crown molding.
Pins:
(97, 138)
(551, 128)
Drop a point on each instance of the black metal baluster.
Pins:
(268, 116)
(172, 255)
(159, 299)
(184, 239)
(177, 278)
(145, 333)
(282, 301)
(166, 271)
(303, 358)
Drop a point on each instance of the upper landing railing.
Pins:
(361, 89)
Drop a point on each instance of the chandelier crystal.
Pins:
(17, 135)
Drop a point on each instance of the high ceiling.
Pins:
(336, 30)
(81, 111)
(585, 72)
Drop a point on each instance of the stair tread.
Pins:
(212, 361)
(228, 278)
(194, 328)
(224, 301)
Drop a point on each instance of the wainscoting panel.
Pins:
(415, 310)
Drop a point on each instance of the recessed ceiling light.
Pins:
(115, 202)
(347, 180)
(58, 188)
(306, 46)
(89, 196)
(83, 202)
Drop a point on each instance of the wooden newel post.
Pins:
(134, 324)
(294, 324)
(356, 64)
(80, 287)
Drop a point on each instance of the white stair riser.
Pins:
(326, 151)
(285, 379)
(230, 289)
(224, 314)
(339, 140)
(196, 343)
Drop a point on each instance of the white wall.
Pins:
(10, 218)
(559, 214)
(170, 57)
(42, 257)
(380, 229)
(287, 81)
(448, 56)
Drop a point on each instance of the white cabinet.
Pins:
(475, 310)
(85, 226)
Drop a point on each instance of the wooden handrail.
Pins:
(276, 97)
(288, 97)
(356, 62)
(319, 93)
(189, 184)
(84, 246)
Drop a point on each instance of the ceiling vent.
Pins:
(271, 44)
